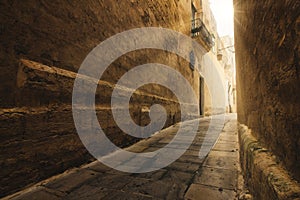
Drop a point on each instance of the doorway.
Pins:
(201, 96)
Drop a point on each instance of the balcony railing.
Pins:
(200, 30)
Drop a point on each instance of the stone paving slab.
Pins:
(69, 182)
(89, 192)
(227, 137)
(226, 146)
(202, 192)
(221, 159)
(189, 177)
(124, 195)
(40, 193)
(158, 189)
(218, 176)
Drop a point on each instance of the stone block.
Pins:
(216, 177)
(265, 177)
(202, 192)
(221, 159)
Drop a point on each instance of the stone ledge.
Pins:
(43, 85)
(266, 178)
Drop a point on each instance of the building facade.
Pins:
(43, 44)
(226, 57)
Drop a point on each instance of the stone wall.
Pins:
(61, 34)
(268, 78)
(39, 138)
(265, 177)
(214, 99)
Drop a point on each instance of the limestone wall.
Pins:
(214, 89)
(268, 78)
(61, 34)
(39, 138)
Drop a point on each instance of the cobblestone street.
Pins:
(214, 176)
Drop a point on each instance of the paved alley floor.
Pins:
(212, 175)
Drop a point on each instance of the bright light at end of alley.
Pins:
(223, 12)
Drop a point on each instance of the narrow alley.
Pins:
(150, 99)
(190, 177)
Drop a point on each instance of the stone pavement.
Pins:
(210, 177)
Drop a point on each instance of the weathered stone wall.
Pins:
(39, 137)
(267, 36)
(62, 33)
(266, 178)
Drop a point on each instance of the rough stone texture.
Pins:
(267, 179)
(43, 44)
(218, 176)
(37, 132)
(56, 86)
(177, 181)
(39, 138)
(267, 37)
(62, 33)
(39, 144)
